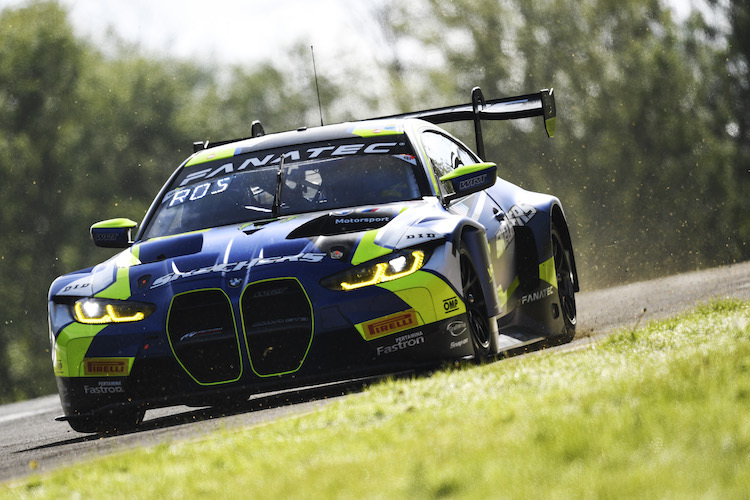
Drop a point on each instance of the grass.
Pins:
(661, 412)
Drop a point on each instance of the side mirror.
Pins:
(468, 179)
(113, 233)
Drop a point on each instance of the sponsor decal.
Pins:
(401, 343)
(104, 387)
(503, 238)
(106, 366)
(76, 286)
(243, 265)
(533, 297)
(450, 305)
(100, 236)
(459, 343)
(392, 323)
(421, 236)
(274, 158)
(270, 293)
(470, 183)
(200, 333)
(521, 214)
(415, 237)
(361, 220)
(282, 321)
(408, 158)
(456, 328)
(180, 196)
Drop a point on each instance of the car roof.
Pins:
(348, 130)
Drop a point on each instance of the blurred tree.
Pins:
(642, 160)
(737, 67)
(40, 63)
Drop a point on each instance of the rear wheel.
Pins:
(476, 306)
(565, 285)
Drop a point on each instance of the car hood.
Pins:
(339, 238)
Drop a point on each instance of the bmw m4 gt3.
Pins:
(311, 256)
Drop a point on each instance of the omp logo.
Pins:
(474, 181)
(450, 305)
(106, 366)
(390, 324)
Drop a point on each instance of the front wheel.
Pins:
(476, 307)
(108, 422)
(565, 285)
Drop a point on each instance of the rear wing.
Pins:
(541, 104)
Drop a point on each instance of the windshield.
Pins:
(304, 186)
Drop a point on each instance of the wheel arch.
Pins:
(474, 239)
(559, 221)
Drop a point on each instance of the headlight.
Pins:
(393, 267)
(102, 311)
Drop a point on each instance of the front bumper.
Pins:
(214, 342)
(157, 381)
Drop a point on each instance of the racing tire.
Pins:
(565, 285)
(109, 422)
(476, 307)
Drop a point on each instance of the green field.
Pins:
(660, 412)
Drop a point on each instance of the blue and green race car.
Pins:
(310, 256)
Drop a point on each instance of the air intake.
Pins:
(278, 321)
(203, 336)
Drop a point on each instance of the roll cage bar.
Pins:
(541, 103)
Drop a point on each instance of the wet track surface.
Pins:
(32, 441)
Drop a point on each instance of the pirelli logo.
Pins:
(387, 325)
(106, 367)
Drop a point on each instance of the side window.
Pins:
(445, 154)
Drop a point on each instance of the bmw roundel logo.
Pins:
(235, 282)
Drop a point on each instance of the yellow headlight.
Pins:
(100, 311)
(397, 267)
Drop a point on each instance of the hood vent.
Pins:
(345, 221)
(167, 248)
